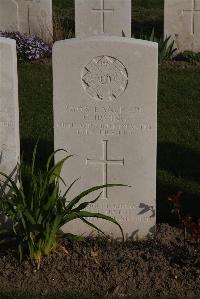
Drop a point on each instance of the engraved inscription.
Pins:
(105, 78)
(105, 121)
(105, 162)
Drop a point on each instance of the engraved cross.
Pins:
(192, 12)
(102, 11)
(105, 162)
(28, 12)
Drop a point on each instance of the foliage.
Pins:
(189, 56)
(166, 47)
(62, 27)
(191, 227)
(38, 210)
(29, 47)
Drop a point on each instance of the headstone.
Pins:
(9, 15)
(103, 17)
(105, 100)
(9, 111)
(182, 23)
(27, 16)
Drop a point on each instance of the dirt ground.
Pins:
(158, 266)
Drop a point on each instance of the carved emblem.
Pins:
(105, 78)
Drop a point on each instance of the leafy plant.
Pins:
(191, 228)
(38, 210)
(29, 47)
(166, 47)
(189, 56)
(62, 28)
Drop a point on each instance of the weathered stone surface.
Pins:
(182, 23)
(103, 17)
(9, 111)
(9, 15)
(105, 98)
(27, 16)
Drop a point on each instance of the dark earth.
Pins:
(161, 265)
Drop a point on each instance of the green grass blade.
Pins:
(70, 187)
(92, 225)
(88, 191)
(33, 158)
(55, 171)
(52, 156)
(84, 214)
(85, 204)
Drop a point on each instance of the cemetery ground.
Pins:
(159, 266)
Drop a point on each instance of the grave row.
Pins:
(103, 115)
(105, 112)
(102, 17)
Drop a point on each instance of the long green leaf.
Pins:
(101, 216)
(84, 214)
(92, 225)
(88, 191)
(85, 204)
(33, 157)
(70, 187)
(13, 186)
(55, 171)
(52, 156)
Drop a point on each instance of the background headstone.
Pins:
(9, 111)
(105, 99)
(27, 16)
(103, 17)
(182, 23)
(9, 15)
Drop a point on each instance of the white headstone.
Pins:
(9, 15)
(9, 112)
(103, 17)
(27, 16)
(182, 23)
(105, 98)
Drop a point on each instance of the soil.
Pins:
(174, 64)
(158, 266)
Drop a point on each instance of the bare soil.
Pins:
(159, 266)
(174, 64)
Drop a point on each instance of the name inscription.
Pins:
(106, 120)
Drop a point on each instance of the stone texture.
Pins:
(105, 99)
(103, 17)
(9, 112)
(27, 16)
(182, 23)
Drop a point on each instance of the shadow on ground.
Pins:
(183, 164)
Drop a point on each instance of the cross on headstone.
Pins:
(28, 12)
(102, 11)
(105, 162)
(193, 12)
(28, 15)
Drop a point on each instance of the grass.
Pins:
(178, 127)
(178, 137)
(36, 110)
